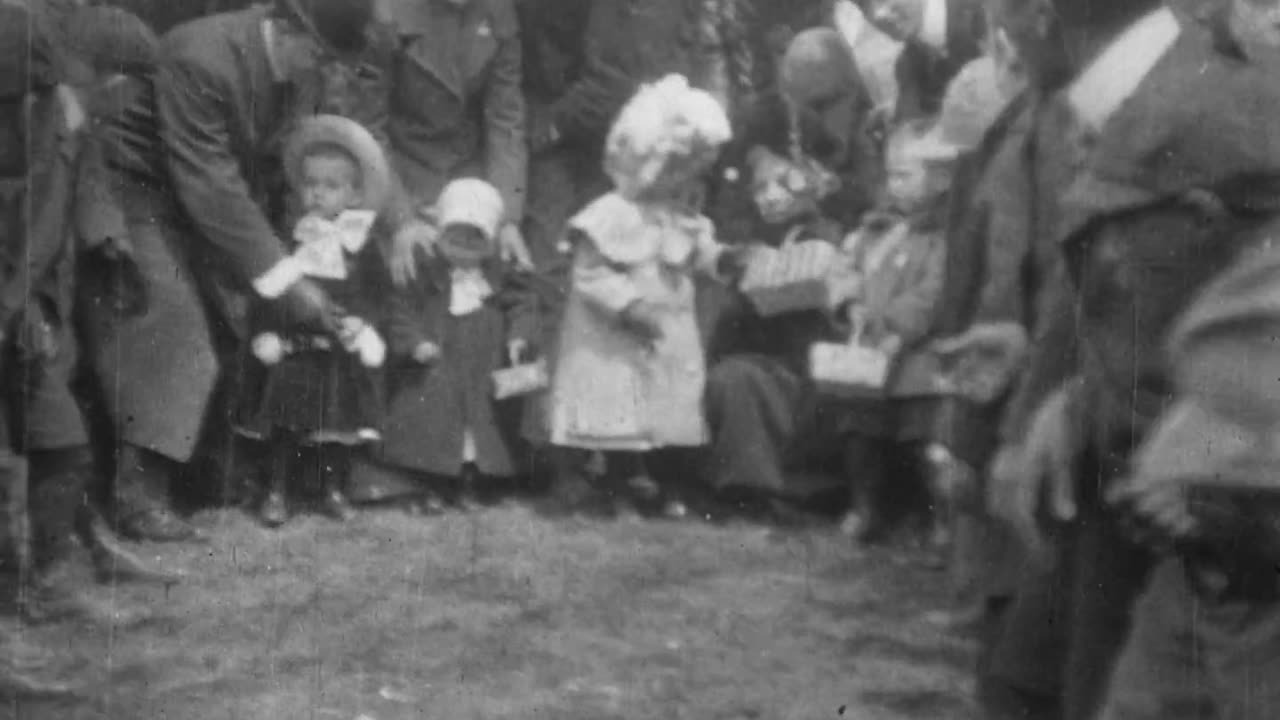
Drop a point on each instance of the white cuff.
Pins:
(274, 282)
(268, 348)
(369, 345)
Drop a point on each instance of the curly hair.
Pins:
(667, 129)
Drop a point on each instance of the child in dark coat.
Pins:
(466, 317)
(322, 390)
(900, 255)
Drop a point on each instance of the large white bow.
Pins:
(322, 243)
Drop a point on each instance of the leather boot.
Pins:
(142, 509)
(112, 561)
(576, 488)
(334, 469)
(274, 510)
(58, 592)
(55, 588)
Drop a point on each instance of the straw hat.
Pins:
(474, 203)
(971, 105)
(354, 138)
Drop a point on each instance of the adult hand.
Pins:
(984, 359)
(1038, 470)
(1157, 512)
(402, 259)
(512, 248)
(307, 306)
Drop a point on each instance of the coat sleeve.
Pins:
(585, 111)
(407, 324)
(909, 314)
(603, 285)
(370, 299)
(1052, 358)
(30, 260)
(369, 103)
(209, 181)
(506, 152)
(519, 306)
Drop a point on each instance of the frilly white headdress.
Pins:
(664, 120)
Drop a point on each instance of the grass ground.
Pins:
(502, 614)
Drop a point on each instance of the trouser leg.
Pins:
(14, 527)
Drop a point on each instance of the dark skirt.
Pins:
(893, 419)
(317, 395)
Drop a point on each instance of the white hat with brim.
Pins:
(351, 136)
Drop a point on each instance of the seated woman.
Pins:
(764, 412)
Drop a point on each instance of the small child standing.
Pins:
(466, 317)
(322, 391)
(631, 371)
(900, 252)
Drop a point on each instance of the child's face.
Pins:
(464, 245)
(330, 184)
(913, 183)
(774, 187)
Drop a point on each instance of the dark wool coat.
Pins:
(627, 43)
(142, 310)
(567, 174)
(431, 406)
(457, 107)
(37, 343)
(1156, 202)
(223, 118)
(193, 158)
(923, 72)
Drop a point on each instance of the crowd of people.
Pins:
(419, 253)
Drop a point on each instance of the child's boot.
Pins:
(274, 512)
(334, 469)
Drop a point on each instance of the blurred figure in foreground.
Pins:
(1206, 490)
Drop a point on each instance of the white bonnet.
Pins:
(663, 120)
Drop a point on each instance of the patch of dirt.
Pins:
(502, 614)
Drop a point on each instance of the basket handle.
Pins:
(857, 321)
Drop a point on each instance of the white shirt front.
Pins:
(467, 291)
(933, 26)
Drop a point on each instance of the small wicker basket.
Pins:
(520, 380)
(792, 278)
